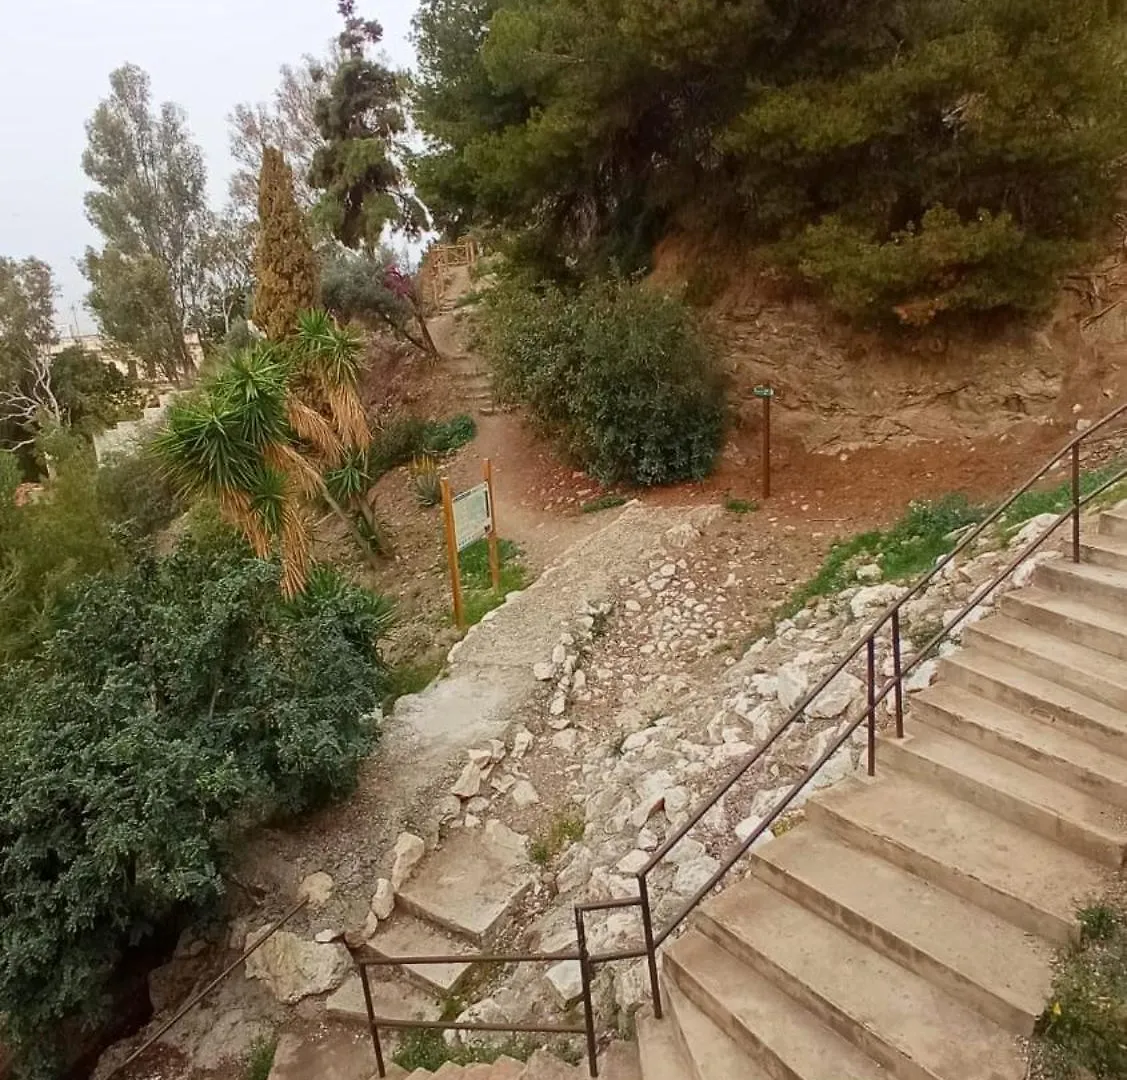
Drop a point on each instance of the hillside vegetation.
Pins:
(906, 158)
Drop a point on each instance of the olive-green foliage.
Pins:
(285, 269)
(1082, 1035)
(48, 545)
(909, 158)
(179, 701)
(92, 394)
(907, 549)
(135, 493)
(617, 371)
(404, 438)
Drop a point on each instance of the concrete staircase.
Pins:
(906, 928)
(618, 1062)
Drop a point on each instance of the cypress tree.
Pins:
(285, 268)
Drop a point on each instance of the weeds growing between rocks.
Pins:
(1082, 1035)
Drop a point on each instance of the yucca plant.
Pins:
(260, 436)
(425, 480)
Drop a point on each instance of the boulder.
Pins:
(468, 785)
(524, 794)
(566, 981)
(837, 697)
(792, 682)
(316, 888)
(872, 598)
(544, 671)
(293, 969)
(383, 899)
(409, 851)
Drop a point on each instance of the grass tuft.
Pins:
(1082, 1034)
(740, 506)
(477, 582)
(260, 1059)
(564, 829)
(603, 502)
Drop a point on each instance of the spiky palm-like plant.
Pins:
(259, 436)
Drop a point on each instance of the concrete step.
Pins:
(471, 883)
(1019, 876)
(1038, 697)
(404, 935)
(619, 1061)
(393, 997)
(1072, 666)
(545, 1066)
(1080, 822)
(1070, 619)
(1104, 551)
(985, 962)
(1047, 748)
(777, 1034)
(1114, 522)
(710, 1054)
(1100, 586)
(659, 1050)
(895, 1017)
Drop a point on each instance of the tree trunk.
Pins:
(353, 528)
(421, 319)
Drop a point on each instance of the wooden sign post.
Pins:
(494, 546)
(468, 517)
(452, 554)
(765, 394)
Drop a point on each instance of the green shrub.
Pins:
(740, 506)
(1082, 1035)
(618, 372)
(179, 702)
(425, 481)
(446, 436)
(136, 493)
(477, 580)
(603, 502)
(395, 444)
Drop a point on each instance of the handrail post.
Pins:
(381, 1069)
(585, 979)
(651, 951)
(872, 680)
(896, 673)
(1076, 503)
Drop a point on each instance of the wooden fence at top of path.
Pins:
(439, 260)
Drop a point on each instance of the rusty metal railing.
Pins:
(889, 620)
(197, 997)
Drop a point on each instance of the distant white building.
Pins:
(99, 347)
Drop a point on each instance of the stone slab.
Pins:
(407, 936)
(471, 883)
(393, 998)
(331, 1054)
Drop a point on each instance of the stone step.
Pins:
(1041, 698)
(1099, 586)
(1114, 522)
(403, 935)
(1072, 666)
(393, 996)
(1070, 619)
(895, 1017)
(709, 1052)
(777, 1034)
(1080, 822)
(1047, 748)
(471, 883)
(987, 963)
(659, 1050)
(1104, 551)
(619, 1061)
(1019, 876)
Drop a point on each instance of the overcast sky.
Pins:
(206, 55)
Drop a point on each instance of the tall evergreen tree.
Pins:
(360, 117)
(285, 268)
(910, 158)
(150, 205)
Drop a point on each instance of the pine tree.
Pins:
(285, 268)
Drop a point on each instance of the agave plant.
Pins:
(260, 435)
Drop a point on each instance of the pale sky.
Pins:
(206, 55)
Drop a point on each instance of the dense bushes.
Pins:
(617, 371)
(178, 701)
(909, 157)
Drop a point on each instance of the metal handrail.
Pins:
(875, 696)
(197, 997)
